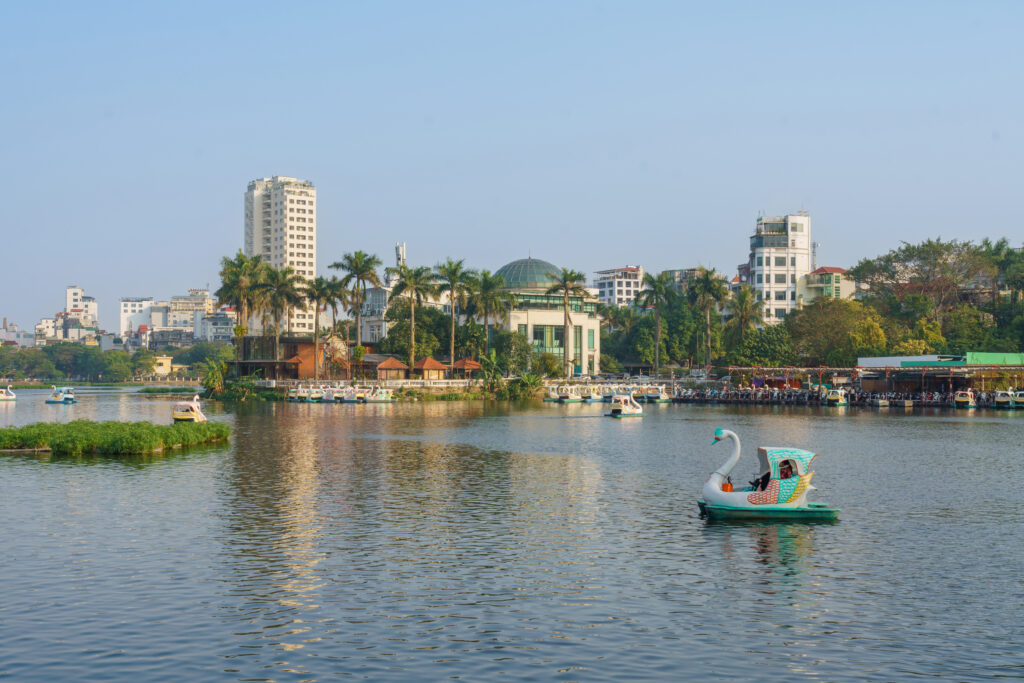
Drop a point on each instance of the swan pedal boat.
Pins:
(188, 411)
(62, 395)
(782, 499)
(8, 394)
(625, 406)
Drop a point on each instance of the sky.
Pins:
(592, 134)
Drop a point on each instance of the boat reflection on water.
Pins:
(783, 547)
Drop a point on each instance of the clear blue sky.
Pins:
(592, 134)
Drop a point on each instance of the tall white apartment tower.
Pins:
(780, 254)
(280, 226)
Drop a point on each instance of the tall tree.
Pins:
(317, 293)
(238, 276)
(658, 294)
(417, 284)
(339, 298)
(282, 290)
(745, 315)
(360, 269)
(707, 291)
(567, 283)
(454, 280)
(489, 298)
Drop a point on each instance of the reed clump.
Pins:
(110, 438)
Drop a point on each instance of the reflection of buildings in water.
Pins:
(272, 535)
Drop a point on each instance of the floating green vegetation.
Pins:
(170, 390)
(110, 438)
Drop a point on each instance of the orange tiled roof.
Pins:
(428, 364)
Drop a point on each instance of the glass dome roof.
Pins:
(528, 273)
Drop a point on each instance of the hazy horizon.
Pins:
(588, 134)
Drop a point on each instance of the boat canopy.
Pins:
(769, 458)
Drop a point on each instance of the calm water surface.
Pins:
(522, 542)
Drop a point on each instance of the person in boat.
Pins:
(785, 472)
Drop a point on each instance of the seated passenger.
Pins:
(785, 470)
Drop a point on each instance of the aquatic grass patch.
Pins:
(184, 391)
(110, 438)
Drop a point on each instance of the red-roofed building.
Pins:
(428, 368)
(392, 368)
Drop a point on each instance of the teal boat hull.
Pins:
(814, 512)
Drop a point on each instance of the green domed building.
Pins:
(540, 316)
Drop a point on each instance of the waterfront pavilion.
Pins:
(540, 318)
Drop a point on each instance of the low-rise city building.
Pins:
(826, 282)
(539, 316)
(619, 286)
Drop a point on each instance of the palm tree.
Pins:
(360, 268)
(568, 283)
(707, 290)
(418, 284)
(623, 318)
(658, 293)
(281, 290)
(318, 293)
(455, 281)
(338, 299)
(238, 276)
(745, 315)
(490, 298)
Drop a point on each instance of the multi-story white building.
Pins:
(214, 327)
(77, 303)
(619, 286)
(780, 255)
(135, 311)
(280, 226)
(182, 309)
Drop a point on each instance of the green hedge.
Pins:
(111, 438)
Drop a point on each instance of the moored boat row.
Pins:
(340, 394)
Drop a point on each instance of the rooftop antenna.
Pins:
(814, 255)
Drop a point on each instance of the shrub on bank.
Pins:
(110, 438)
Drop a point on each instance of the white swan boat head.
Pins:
(779, 493)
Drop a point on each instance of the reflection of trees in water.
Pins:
(321, 508)
(271, 532)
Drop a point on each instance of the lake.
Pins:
(425, 541)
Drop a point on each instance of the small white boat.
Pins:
(1018, 399)
(551, 396)
(624, 405)
(350, 395)
(315, 395)
(1003, 399)
(8, 394)
(62, 395)
(302, 393)
(380, 395)
(835, 397)
(964, 399)
(568, 394)
(656, 395)
(188, 411)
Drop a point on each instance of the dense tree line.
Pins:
(928, 298)
(67, 361)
